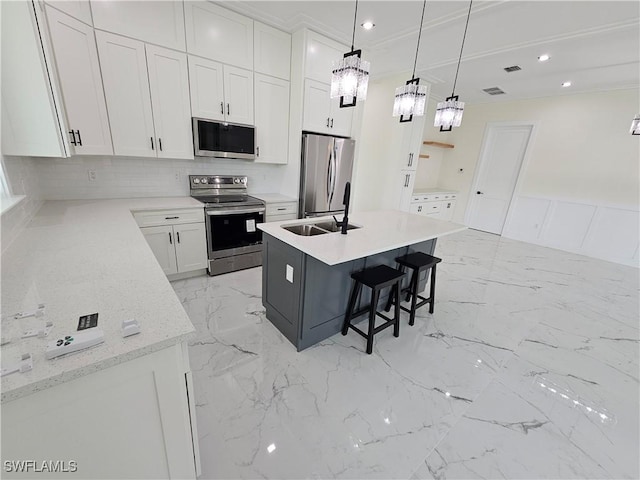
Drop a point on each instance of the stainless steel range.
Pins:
(233, 239)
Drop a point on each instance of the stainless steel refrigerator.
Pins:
(326, 168)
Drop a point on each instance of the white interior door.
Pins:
(169, 83)
(503, 152)
(74, 46)
(126, 86)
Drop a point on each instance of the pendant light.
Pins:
(635, 125)
(449, 112)
(411, 98)
(350, 75)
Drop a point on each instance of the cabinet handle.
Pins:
(258, 150)
(283, 208)
(410, 159)
(152, 148)
(327, 122)
(73, 136)
(222, 108)
(170, 239)
(178, 236)
(420, 208)
(228, 113)
(332, 123)
(79, 138)
(171, 218)
(406, 180)
(160, 143)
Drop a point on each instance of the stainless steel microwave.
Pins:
(224, 140)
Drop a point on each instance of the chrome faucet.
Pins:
(345, 201)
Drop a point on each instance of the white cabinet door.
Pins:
(341, 118)
(447, 208)
(31, 124)
(161, 240)
(126, 86)
(272, 119)
(169, 84)
(76, 57)
(320, 55)
(191, 246)
(219, 34)
(317, 107)
(79, 9)
(272, 51)
(207, 92)
(158, 22)
(238, 95)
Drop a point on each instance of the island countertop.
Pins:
(379, 231)
(78, 258)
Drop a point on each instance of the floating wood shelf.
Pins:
(423, 156)
(438, 144)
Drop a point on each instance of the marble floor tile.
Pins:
(527, 369)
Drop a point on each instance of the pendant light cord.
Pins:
(355, 16)
(453, 92)
(415, 61)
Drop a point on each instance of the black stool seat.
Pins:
(417, 262)
(376, 278)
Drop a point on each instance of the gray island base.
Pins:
(306, 299)
(306, 280)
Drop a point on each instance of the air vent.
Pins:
(494, 91)
(512, 68)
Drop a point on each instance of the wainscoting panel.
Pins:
(602, 231)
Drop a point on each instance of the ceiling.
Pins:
(593, 44)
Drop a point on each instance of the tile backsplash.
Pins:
(81, 177)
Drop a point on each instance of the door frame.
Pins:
(482, 158)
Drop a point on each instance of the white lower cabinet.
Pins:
(132, 420)
(278, 212)
(178, 248)
(434, 206)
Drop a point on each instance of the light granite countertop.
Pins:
(380, 231)
(273, 197)
(82, 257)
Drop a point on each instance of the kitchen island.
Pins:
(306, 279)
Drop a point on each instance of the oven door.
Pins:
(233, 232)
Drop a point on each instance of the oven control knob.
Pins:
(196, 180)
(204, 180)
(236, 180)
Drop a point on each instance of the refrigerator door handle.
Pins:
(329, 175)
(334, 170)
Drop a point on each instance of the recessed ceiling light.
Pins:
(566, 84)
(368, 25)
(543, 58)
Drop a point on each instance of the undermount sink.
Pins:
(312, 229)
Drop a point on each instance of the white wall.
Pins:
(582, 149)
(126, 177)
(23, 179)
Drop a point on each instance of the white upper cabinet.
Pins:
(220, 92)
(76, 57)
(126, 86)
(219, 34)
(238, 95)
(79, 9)
(323, 114)
(272, 119)
(169, 84)
(207, 91)
(272, 51)
(158, 22)
(320, 55)
(31, 124)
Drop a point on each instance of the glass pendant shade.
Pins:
(449, 113)
(410, 100)
(635, 125)
(350, 78)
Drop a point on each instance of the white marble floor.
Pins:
(527, 369)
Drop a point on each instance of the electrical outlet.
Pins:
(92, 175)
(178, 177)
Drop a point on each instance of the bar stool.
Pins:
(417, 262)
(376, 278)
